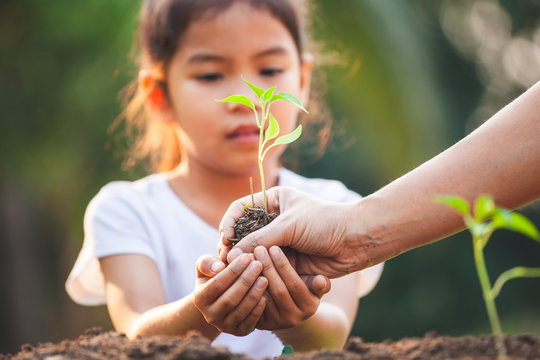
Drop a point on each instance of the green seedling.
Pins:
(269, 138)
(486, 219)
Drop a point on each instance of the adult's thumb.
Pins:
(267, 236)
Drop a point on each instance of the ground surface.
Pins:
(98, 344)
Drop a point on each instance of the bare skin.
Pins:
(292, 302)
(216, 165)
(500, 158)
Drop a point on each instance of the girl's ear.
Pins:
(306, 68)
(155, 100)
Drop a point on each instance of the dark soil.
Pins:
(98, 344)
(253, 219)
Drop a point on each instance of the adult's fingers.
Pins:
(270, 235)
(235, 210)
(260, 237)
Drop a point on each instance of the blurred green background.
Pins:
(413, 78)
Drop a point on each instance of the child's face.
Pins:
(213, 55)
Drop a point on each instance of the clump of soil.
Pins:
(253, 219)
(97, 344)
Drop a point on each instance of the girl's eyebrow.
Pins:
(202, 57)
(276, 50)
(207, 57)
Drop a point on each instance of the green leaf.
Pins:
(289, 138)
(285, 139)
(505, 219)
(257, 90)
(289, 98)
(484, 208)
(268, 94)
(273, 129)
(239, 99)
(456, 202)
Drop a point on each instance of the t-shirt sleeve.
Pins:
(113, 224)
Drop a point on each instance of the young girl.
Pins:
(143, 238)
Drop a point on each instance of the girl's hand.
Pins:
(230, 298)
(288, 299)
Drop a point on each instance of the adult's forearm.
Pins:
(500, 158)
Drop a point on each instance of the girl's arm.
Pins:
(137, 305)
(331, 324)
(296, 315)
(136, 301)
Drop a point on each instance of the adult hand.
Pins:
(289, 300)
(320, 231)
(230, 297)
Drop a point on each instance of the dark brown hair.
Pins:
(162, 23)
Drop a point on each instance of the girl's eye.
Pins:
(271, 72)
(209, 77)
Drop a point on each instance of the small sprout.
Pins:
(486, 219)
(269, 138)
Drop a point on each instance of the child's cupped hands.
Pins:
(230, 297)
(290, 298)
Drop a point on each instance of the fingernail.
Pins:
(327, 284)
(255, 267)
(217, 266)
(260, 252)
(234, 253)
(275, 251)
(261, 283)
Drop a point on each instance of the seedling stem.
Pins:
(270, 132)
(486, 219)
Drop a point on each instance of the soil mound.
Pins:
(98, 344)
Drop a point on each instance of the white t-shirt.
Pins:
(146, 217)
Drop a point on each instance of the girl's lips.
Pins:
(244, 134)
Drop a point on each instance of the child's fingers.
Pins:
(281, 300)
(232, 296)
(271, 310)
(238, 320)
(209, 266)
(215, 287)
(302, 297)
(250, 322)
(318, 284)
(271, 318)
